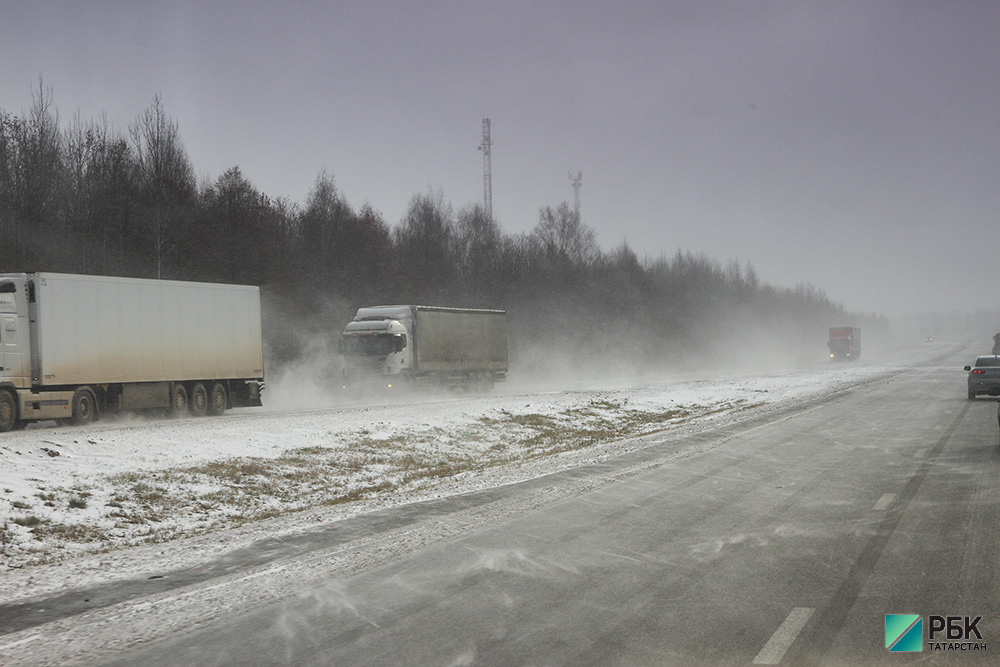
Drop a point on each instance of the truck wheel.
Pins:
(178, 401)
(972, 395)
(8, 412)
(217, 400)
(84, 407)
(199, 400)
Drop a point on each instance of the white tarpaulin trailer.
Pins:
(458, 346)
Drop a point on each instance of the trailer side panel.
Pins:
(98, 330)
(457, 340)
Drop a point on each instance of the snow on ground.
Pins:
(184, 491)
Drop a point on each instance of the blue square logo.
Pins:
(904, 633)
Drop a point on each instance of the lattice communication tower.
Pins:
(487, 175)
(576, 191)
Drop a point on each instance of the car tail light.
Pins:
(977, 371)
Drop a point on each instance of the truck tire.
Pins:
(972, 394)
(199, 400)
(217, 400)
(8, 411)
(84, 407)
(178, 401)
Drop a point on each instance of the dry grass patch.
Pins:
(142, 507)
(29, 521)
(69, 532)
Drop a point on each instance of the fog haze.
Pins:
(853, 146)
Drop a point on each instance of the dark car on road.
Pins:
(984, 376)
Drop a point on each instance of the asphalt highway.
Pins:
(785, 540)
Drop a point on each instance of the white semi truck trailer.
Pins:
(73, 347)
(388, 345)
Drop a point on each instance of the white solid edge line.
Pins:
(774, 649)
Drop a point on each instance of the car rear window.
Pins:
(988, 361)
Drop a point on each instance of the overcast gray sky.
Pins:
(851, 145)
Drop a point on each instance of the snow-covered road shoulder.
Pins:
(66, 492)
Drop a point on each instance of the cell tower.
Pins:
(576, 191)
(487, 175)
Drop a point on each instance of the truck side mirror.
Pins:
(399, 343)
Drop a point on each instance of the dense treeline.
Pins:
(82, 197)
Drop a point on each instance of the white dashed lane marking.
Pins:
(783, 637)
(884, 502)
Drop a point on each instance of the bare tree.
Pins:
(323, 225)
(102, 194)
(425, 243)
(479, 249)
(166, 182)
(368, 257)
(240, 231)
(34, 178)
(10, 249)
(563, 239)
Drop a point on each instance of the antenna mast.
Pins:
(487, 175)
(576, 191)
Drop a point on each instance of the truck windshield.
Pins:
(371, 345)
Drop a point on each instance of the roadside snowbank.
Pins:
(71, 491)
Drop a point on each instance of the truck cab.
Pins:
(375, 348)
(15, 351)
(15, 357)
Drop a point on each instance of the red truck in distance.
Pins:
(845, 343)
